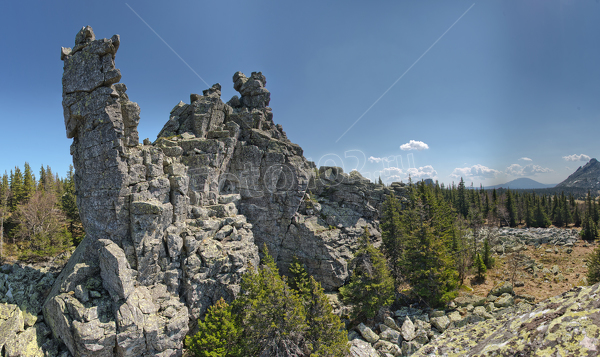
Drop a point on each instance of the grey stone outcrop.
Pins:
(171, 226)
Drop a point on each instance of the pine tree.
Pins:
(529, 215)
(589, 226)
(325, 335)
(391, 234)
(428, 264)
(488, 260)
(541, 219)
(68, 204)
(371, 285)
(299, 277)
(4, 196)
(480, 267)
(271, 313)
(42, 182)
(510, 208)
(593, 264)
(218, 335)
(462, 205)
(16, 187)
(577, 217)
(28, 183)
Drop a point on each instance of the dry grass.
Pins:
(542, 287)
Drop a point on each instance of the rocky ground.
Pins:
(552, 264)
(23, 330)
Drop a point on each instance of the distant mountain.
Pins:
(585, 177)
(521, 184)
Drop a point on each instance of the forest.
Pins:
(38, 214)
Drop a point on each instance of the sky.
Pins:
(488, 91)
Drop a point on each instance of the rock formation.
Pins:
(586, 177)
(171, 226)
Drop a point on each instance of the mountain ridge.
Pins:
(521, 183)
(585, 177)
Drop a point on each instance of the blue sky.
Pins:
(510, 89)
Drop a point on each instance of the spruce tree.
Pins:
(428, 264)
(68, 204)
(16, 187)
(593, 265)
(480, 267)
(28, 183)
(462, 205)
(391, 234)
(510, 208)
(488, 260)
(218, 335)
(371, 285)
(326, 335)
(577, 217)
(271, 313)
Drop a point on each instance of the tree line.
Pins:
(38, 215)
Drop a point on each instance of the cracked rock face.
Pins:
(171, 226)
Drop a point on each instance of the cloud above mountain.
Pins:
(478, 170)
(575, 157)
(414, 145)
(528, 170)
(525, 159)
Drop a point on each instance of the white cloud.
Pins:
(474, 171)
(575, 157)
(414, 145)
(391, 171)
(395, 174)
(381, 159)
(528, 170)
(525, 159)
(422, 173)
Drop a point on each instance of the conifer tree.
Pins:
(68, 204)
(487, 258)
(299, 277)
(510, 208)
(28, 183)
(577, 217)
(371, 285)
(218, 335)
(325, 335)
(392, 237)
(593, 264)
(462, 205)
(480, 267)
(42, 182)
(272, 312)
(428, 264)
(16, 187)
(541, 219)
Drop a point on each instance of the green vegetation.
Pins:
(217, 335)
(593, 264)
(271, 318)
(433, 239)
(371, 286)
(480, 267)
(38, 217)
